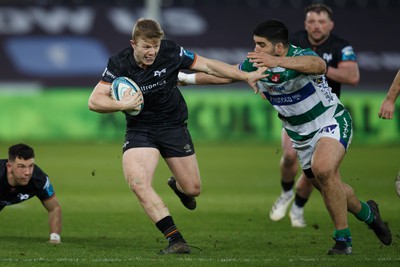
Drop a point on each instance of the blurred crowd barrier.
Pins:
(224, 115)
(68, 45)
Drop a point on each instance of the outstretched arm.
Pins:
(228, 73)
(303, 64)
(388, 104)
(202, 78)
(55, 221)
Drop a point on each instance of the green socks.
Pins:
(365, 213)
(343, 235)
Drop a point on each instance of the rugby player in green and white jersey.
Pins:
(318, 124)
(342, 68)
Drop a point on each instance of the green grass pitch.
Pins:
(103, 224)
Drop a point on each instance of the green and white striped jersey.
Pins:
(304, 102)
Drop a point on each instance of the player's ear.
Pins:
(279, 47)
(8, 164)
(331, 25)
(132, 42)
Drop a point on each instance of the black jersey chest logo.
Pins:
(327, 57)
(23, 197)
(159, 72)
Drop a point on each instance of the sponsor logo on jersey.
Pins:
(328, 129)
(159, 72)
(322, 85)
(296, 97)
(277, 69)
(327, 57)
(288, 99)
(5, 203)
(275, 77)
(145, 88)
(280, 100)
(23, 197)
(278, 89)
(346, 128)
(107, 73)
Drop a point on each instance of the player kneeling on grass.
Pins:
(21, 179)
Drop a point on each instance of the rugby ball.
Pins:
(118, 88)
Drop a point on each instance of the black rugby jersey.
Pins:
(333, 51)
(163, 102)
(39, 186)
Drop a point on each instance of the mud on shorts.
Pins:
(340, 128)
(171, 141)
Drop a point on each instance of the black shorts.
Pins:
(170, 141)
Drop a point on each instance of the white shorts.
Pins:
(339, 128)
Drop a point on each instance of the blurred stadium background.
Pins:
(52, 53)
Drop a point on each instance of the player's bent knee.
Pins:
(324, 175)
(289, 154)
(136, 185)
(289, 159)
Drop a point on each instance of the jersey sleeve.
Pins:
(46, 191)
(43, 187)
(348, 54)
(345, 51)
(186, 58)
(110, 73)
(118, 65)
(305, 52)
(247, 66)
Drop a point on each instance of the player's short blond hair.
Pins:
(147, 29)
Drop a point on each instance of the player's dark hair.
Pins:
(318, 8)
(147, 29)
(20, 151)
(274, 31)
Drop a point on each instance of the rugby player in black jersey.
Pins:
(21, 179)
(160, 129)
(342, 68)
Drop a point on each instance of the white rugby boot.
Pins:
(296, 216)
(281, 205)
